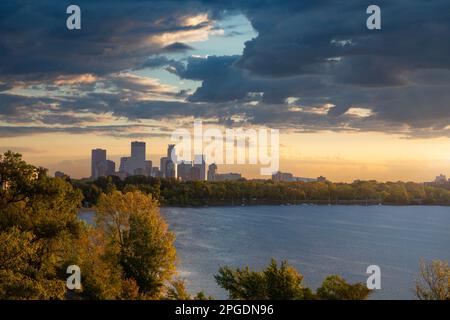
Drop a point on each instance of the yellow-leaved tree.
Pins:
(134, 238)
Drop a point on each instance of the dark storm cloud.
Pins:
(177, 47)
(322, 52)
(114, 36)
(223, 81)
(319, 52)
(297, 37)
(121, 131)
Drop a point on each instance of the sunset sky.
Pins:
(350, 103)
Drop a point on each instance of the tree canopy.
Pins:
(284, 283)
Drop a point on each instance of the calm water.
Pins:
(317, 240)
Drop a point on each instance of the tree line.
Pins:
(173, 192)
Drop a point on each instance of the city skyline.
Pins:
(137, 164)
(338, 166)
(208, 171)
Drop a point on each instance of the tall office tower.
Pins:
(195, 173)
(148, 168)
(184, 170)
(170, 148)
(199, 167)
(138, 155)
(110, 168)
(170, 169)
(212, 168)
(98, 163)
(163, 166)
(156, 172)
(125, 165)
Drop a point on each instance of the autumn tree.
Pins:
(38, 226)
(273, 283)
(138, 240)
(434, 281)
(336, 288)
(284, 283)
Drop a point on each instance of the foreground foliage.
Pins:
(38, 227)
(127, 254)
(434, 281)
(284, 283)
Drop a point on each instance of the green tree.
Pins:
(273, 283)
(336, 288)
(138, 238)
(284, 283)
(177, 291)
(38, 227)
(19, 279)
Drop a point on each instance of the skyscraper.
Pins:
(170, 148)
(170, 169)
(110, 167)
(212, 168)
(199, 168)
(125, 165)
(163, 166)
(98, 163)
(138, 155)
(148, 168)
(184, 171)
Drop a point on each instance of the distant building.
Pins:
(125, 165)
(98, 163)
(138, 156)
(199, 170)
(184, 171)
(167, 165)
(440, 179)
(228, 176)
(148, 168)
(110, 168)
(156, 172)
(212, 170)
(170, 149)
(137, 163)
(321, 179)
(170, 169)
(163, 165)
(289, 177)
(283, 176)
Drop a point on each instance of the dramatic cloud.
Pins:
(312, 66)
(115, 35)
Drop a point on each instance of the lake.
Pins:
(317, 240)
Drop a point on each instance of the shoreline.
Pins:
(310, 203)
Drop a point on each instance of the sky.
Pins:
(349, 102)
